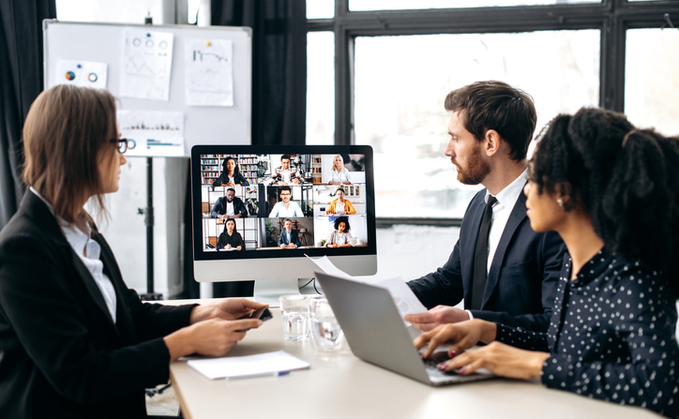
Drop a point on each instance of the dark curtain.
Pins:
(278, 65)
(278, 78)
(21, 80)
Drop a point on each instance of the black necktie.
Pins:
(481, 256)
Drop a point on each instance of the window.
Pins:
(320, 110)
(651, 79)
(395, 61)
(357, 5)
(400, 84)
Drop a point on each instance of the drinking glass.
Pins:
(326, 331)
(295, 315)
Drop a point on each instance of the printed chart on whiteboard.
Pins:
(152, 133)
(80, 73)
(147, 64)
(209, 72)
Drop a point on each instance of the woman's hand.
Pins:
(463, 336)
(226, 309)
(228, 246)
(500, 359)
(239, 248)
(213, 337)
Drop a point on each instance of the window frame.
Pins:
(611, 17)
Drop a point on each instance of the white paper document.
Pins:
(80, 73)
(209, 72)
(329, 268)
(147, 64)
(405, 299)
(152, 133)
(260, 365)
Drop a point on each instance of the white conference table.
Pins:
(340, 385)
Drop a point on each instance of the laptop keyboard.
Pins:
(435, 359)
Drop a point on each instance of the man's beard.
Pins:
(475, 172)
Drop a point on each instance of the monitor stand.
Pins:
(267, 291)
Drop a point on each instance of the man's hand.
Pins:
(500, 359)
(437, 316)
(462, 335)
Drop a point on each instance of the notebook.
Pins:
(377, 334)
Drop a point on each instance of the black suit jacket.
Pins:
(283, 238)
(521, 284)
(61, 355)
(220, 207)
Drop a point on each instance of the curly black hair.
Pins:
(627, 179)
(344, 220)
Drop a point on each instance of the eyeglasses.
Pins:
(122, 144)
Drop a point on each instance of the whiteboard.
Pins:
(104, 43)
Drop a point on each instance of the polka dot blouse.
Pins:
(611, 335)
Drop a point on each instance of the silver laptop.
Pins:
(377, 334)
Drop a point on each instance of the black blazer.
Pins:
(61, 355)
(283, 238)
(220, 207)
(523, 274)
(223, 179)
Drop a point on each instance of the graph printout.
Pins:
(152, 133)
(80, 73)
(147, 64)
(209, 72)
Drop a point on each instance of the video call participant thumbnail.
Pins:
(229, 206)
(231, 175)
(230, 237)
(289, 238)
(286, 207)
(339, 205)
(341, 236)
(286, 174)
(339, 175)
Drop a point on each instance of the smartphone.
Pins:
(262, 314)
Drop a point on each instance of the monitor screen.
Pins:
(259, 210)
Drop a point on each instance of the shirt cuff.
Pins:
(471, 316)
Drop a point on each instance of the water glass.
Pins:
(295, 315)
(325, 330)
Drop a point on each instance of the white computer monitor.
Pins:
(320, 198)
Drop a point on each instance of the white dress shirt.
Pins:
(506, 199)
(88, 251)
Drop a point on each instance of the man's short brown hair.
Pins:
(498, 106)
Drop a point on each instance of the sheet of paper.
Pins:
(404, 298)
(147, 64)
(325, 265)
(266, 364)
(80, 73)
(153, 133)
(209, 72)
